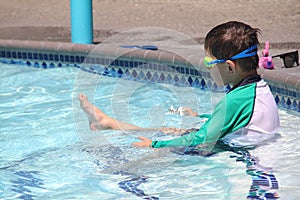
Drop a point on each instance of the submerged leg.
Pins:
(99, 120)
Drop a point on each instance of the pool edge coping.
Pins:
(288, 79)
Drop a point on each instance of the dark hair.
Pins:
(231, 38)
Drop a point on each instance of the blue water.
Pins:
(48, 152)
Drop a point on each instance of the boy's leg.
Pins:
(99, 120)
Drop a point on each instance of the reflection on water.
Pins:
(264, 183)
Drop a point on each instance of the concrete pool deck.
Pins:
(39, 25)
(278, 20)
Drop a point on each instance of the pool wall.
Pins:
(141, 65)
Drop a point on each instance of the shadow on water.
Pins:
(23, 183)
(264, 183)
(112, 159)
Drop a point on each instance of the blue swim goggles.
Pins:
(210, 62)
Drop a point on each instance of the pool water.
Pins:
(48, 152)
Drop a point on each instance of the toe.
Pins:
(82, 97)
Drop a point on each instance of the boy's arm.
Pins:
(191, 139)
(210, 132)
(189, 112)
(232, 113)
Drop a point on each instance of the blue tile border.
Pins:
(180, 75)
(137, 68)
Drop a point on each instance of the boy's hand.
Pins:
(144, 143)
(189, 112)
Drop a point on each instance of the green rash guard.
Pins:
(242, 107)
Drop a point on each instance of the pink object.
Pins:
(266, 61)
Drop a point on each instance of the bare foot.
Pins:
(97, 119)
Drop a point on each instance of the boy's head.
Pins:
(231, 38)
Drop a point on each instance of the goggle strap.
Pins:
(216, 62)
(245, 54)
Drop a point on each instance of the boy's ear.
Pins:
(231, 66)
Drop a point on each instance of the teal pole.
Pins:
(81, 21)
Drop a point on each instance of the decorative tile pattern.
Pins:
(180, 75)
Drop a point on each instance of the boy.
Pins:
(247, 110)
